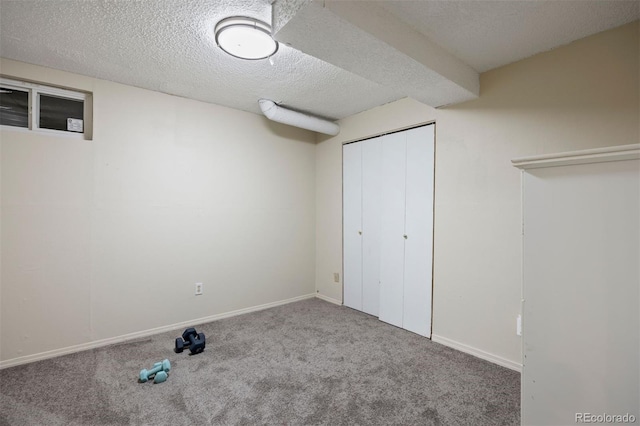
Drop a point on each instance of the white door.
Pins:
(418, 250)
(581, 290)
(352, 223)
(392, 228)
(388, 227)
(371, 202)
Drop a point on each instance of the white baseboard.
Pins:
(329, 299)
(145, 333)
(477, 353)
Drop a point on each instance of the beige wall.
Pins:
(583, 95)
(107, 237)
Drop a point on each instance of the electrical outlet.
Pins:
(199, 289)
(336, 277)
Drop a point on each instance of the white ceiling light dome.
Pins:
(245, 38)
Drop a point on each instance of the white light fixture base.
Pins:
(245, 38)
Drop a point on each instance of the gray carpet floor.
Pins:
(304, 363)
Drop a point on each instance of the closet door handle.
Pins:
(405, 236)
(359, 232)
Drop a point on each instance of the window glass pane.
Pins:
(61, 113)
(14, 107)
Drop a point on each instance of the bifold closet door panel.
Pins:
(352, 223)
(371, 202)
(418, 250)
(392, 228)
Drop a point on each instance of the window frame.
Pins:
(35, 90)
(11, 85)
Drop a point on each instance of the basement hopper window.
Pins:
(46, 109)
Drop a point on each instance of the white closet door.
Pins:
(392, 228)
(352, 222)
(418, 256)
(371, 202)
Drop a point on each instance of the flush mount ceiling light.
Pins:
(245, 38)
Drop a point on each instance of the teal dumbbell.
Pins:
(158, 372)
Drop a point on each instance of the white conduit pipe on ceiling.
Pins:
(297, 119)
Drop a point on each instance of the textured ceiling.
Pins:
(490, 33)
(167, 45)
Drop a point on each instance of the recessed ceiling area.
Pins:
(490, 33)
(380, 51)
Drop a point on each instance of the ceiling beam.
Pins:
(365, 39)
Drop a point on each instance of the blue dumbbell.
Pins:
(191, 338)
(158, 372)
